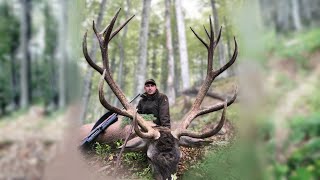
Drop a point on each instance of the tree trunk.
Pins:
(306, 11)
(221, 56)
(170, 87)
(143, 45)
(61, 55)
(282, 16)
(88, 77)
(122, 54)
(14, 80)
(25, 69)
(296, 15)
(182, 46)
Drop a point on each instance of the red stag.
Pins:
(160, 143)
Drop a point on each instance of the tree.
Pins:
(170, 88)
(49, 70)
(183, 51)
(9, 32)
(62, 57)
(143, 43)
(121, 45)
(221, 56)
(296, 15)
(88, 77)
(25, 68)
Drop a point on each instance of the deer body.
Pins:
(160, 143)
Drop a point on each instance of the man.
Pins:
(156, 103)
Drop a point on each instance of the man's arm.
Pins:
(139, 107)
(164, 113)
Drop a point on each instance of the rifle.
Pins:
(101, 125)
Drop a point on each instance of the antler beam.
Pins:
(211, 75)
(104, 37)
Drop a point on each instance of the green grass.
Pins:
(294, 46)
(13, 115)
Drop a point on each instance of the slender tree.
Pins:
(143, 43)
(9, 44)
(183, 51)
(121, 45)
(25, 68)
(282, 16)
(221, 56)
(170, 56)
(62, 53)
(88, 77)
(296, 15)
(49, 85)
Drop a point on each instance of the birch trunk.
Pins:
(182, 46)
(88, 77)
(25, 72)
(143, 45)
(62, 55)
(170, 87)
(122, 54)
(282, 16)
(221, 56)
(296, 15)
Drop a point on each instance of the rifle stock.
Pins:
(95, 132)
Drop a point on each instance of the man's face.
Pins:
(150, 89)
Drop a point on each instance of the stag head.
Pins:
(161, 143)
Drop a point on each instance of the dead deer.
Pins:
(160, 143)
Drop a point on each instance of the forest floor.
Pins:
(29, 142)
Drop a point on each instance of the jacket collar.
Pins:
(150, 97)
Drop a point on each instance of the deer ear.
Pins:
(192, 142)
(136, 144)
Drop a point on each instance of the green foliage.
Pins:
(119, 143)
(234, 161)
(305, 126)
(295, 46)
(312, 103)
(102, 150)
(147, 117)
(9, 35)
(134, 157)
(145, 174)
(137, 161)
(303, 162)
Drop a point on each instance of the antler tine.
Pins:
(87, 57)
(209, 133)
(105, 103)
(211, 30)
(120, 27)
(219, 106)
(219, 35)
(97, 34)
(232, 60)
(149, 135)
(206, 32)
(200, 39)
(110, 27)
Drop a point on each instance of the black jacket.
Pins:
(156, 104)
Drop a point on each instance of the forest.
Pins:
(48, 90)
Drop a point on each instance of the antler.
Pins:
(104, 37)
(195, 110)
